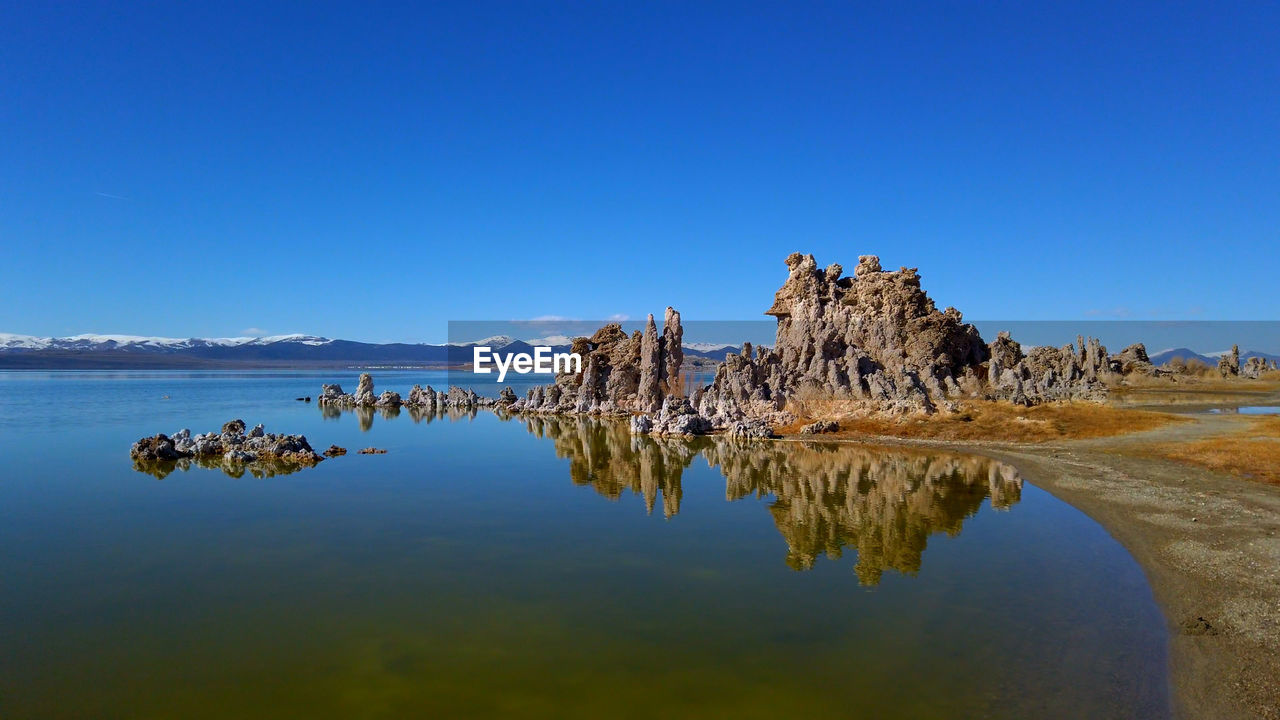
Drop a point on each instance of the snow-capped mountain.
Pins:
(706, 347)
(103, 351)
(10, 341)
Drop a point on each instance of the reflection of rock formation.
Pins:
(607, 457)
(882, 503)
(261, 468)
(419, 414)
(431, 414)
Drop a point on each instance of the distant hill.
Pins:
(1164, 356)
(86, 352)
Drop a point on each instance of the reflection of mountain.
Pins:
(882, 503)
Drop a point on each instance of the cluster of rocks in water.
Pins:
(873, 342)
(233, 444)
(419, 397)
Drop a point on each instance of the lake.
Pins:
(550, 567)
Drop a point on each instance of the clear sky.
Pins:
(370, 171)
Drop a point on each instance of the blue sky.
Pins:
(371, 171)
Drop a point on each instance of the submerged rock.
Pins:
(335, 451)
(371, 451)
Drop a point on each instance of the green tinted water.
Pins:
(550, 568)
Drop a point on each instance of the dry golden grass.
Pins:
(1212, 383)
(992, 421)
(1253, 452)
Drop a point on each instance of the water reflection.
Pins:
(261, 469)
(884, 504)
(365, 415)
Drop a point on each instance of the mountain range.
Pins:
(1164, 356)
(131, 351)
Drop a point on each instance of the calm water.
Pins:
(553, 568)
(1248, 410)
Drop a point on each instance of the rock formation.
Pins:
(1255, 367)
(1045, 374)
(364, 391)
(875, 342)
(1229, 364)
(621, 374)
(232, 445)
(875, 337)
(821, 427)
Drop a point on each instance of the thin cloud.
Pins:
(618, 317)
(254, 332)
(112, 197)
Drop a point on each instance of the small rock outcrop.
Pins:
(821, 427)
(232, 444)
(424, 398)
(1229, 363)
(364, 391)
(1255, 367)
(1133, 360)
(678, 417)
(750, 429)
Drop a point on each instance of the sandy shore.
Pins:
(1209, 544)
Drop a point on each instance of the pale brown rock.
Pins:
(1229, 364)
